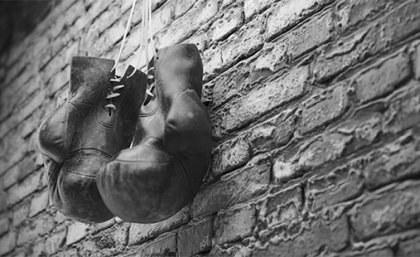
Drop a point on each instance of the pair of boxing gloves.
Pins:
(113, 150)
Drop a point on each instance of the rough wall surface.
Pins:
(315, 109)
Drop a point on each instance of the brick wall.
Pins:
(315, 110)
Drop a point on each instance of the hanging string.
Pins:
(127, 28)
(147, 35)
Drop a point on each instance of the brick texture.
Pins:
(315, 113)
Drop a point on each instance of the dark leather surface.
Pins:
(81, 136)
(162, 172)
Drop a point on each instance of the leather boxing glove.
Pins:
(96, 122)
(171, 150)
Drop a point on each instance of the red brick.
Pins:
(195, 237)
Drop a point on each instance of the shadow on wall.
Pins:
(18, 18)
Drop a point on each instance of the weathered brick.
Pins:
(288, 13)
(7, 242)
(195, 238)
(382, 78)
(390, 211)
(163, 246)
(260, 100)
(36, 248)
(396, 160)
(24, 189)
(350, 13)
(34, 229)
(142, 232)
(235, 224)
(200, 13)
(273, 133)
(415, 56)
(230, 83)
(233, 188)
(231, 20)
(409, 248)
(323, 108)
(106, 243)
(385, 252)
(3, 199)
(404, 108)
(326, 148)
(72, 252)
(55, 242)
(76, 232)
(284, 170)
(252, 7)
(182, 6)
(307, 37)
(338, 56)
(4, 224)
(11, 176)
(364, 126)
(20, 214)
(233, 250)
(330, 236)
(272, 58)
(340, 185)
(39, 203)
(310, 155)
(242, 44)
(282, 207)
(231, 155)
(163, 16)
